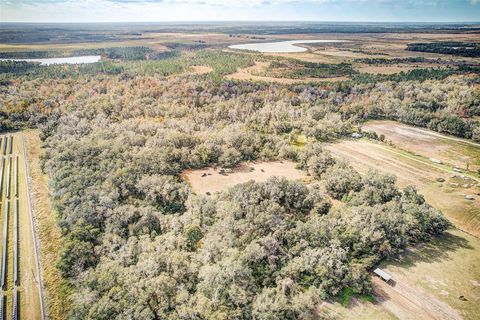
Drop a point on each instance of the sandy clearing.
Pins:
(411, 303)
(210, 180)
(201, 69)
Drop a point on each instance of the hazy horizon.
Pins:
(157, 11)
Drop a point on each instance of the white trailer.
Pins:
(382, 274)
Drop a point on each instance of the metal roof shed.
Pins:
(382, 274)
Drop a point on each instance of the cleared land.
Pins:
(57, 290)
(211, 180)
(441, 277)
(430, 279)
(410, 303)
(452, 150)
(447, 196)
(28, 285)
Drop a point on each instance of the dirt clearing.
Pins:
(212, 180)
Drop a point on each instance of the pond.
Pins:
(67, 60)
(281, 46)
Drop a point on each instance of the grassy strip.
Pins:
(57, 289)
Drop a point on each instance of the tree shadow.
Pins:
(438, 249)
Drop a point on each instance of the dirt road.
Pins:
(409, 303)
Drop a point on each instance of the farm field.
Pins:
(447, 196)
(28, 277)
(429, 144)
(211, 180)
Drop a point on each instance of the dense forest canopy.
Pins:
(140, 244)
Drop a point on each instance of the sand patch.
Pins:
(212, 180)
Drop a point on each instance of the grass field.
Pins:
(447, 196)
(57, 290)
(28, 277)
(452, 150)
(446, 268)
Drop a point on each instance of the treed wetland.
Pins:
(184, 177)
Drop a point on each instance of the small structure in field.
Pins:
(382, 274)
(435, 160)
(469, 197)
(356, 135)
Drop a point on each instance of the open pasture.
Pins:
(444, 270)
(429, 144)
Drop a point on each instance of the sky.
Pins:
(242, 10)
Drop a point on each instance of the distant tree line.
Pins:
(458, 48)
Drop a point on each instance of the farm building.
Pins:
(382, 274)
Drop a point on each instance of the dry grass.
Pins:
(357, 310)
(57, 290)
(421, 173)
(444, 269)
(201, 69)
(210, 180)
(429, 144)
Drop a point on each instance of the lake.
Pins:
(280, 46)
(67, 60)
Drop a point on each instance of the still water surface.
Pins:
(281, 47)
(68, 60)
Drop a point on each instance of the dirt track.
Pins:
(409, 303)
